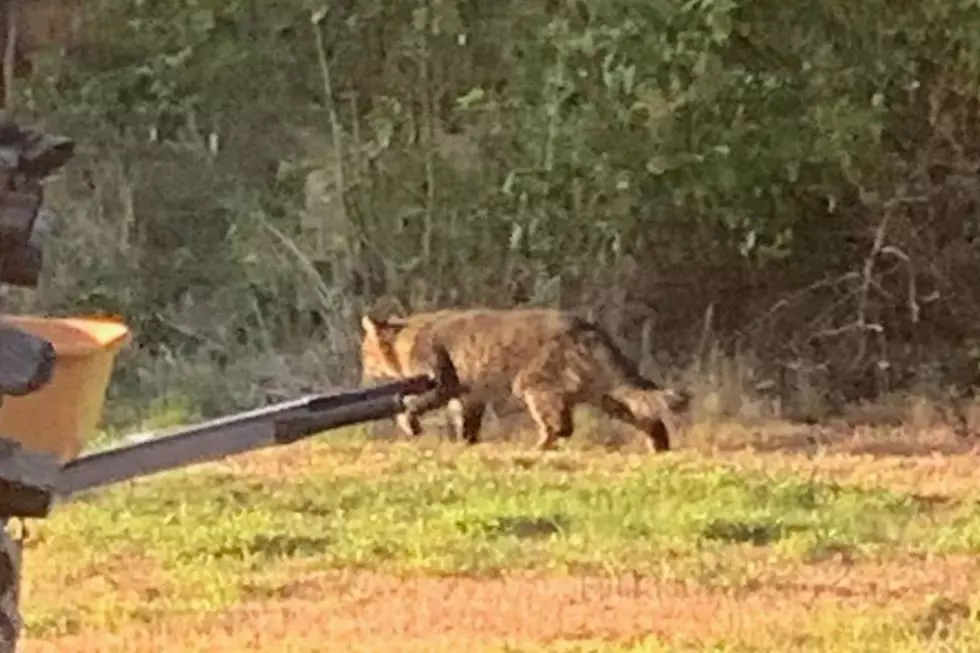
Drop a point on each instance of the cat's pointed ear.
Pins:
(370, 326)
(382, 330)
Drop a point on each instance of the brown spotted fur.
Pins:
(550, 360)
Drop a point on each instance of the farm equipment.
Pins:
(54, 372)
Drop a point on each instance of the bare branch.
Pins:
(850, 328)
(10, 12)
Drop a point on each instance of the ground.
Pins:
(758, 539)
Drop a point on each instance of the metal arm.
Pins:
(279, 424)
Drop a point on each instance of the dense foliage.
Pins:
(794, 181)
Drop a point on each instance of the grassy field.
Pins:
(345, 544)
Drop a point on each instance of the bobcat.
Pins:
(549, 359)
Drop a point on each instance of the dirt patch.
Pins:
(771, 436)
(935, 475)
(908, 577)
(368, 612)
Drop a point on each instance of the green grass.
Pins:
(213, 538)
(463, 516)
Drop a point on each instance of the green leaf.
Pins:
(471, 98)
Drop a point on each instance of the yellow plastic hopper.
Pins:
(60, 417)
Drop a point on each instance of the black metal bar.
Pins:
(278, 424)
(291, 428)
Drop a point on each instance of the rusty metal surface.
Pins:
(279, 424)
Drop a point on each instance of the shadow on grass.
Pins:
(267, 547)
(519, 526)
(941, 617)
(757, 533)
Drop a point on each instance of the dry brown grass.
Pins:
(368, 612)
